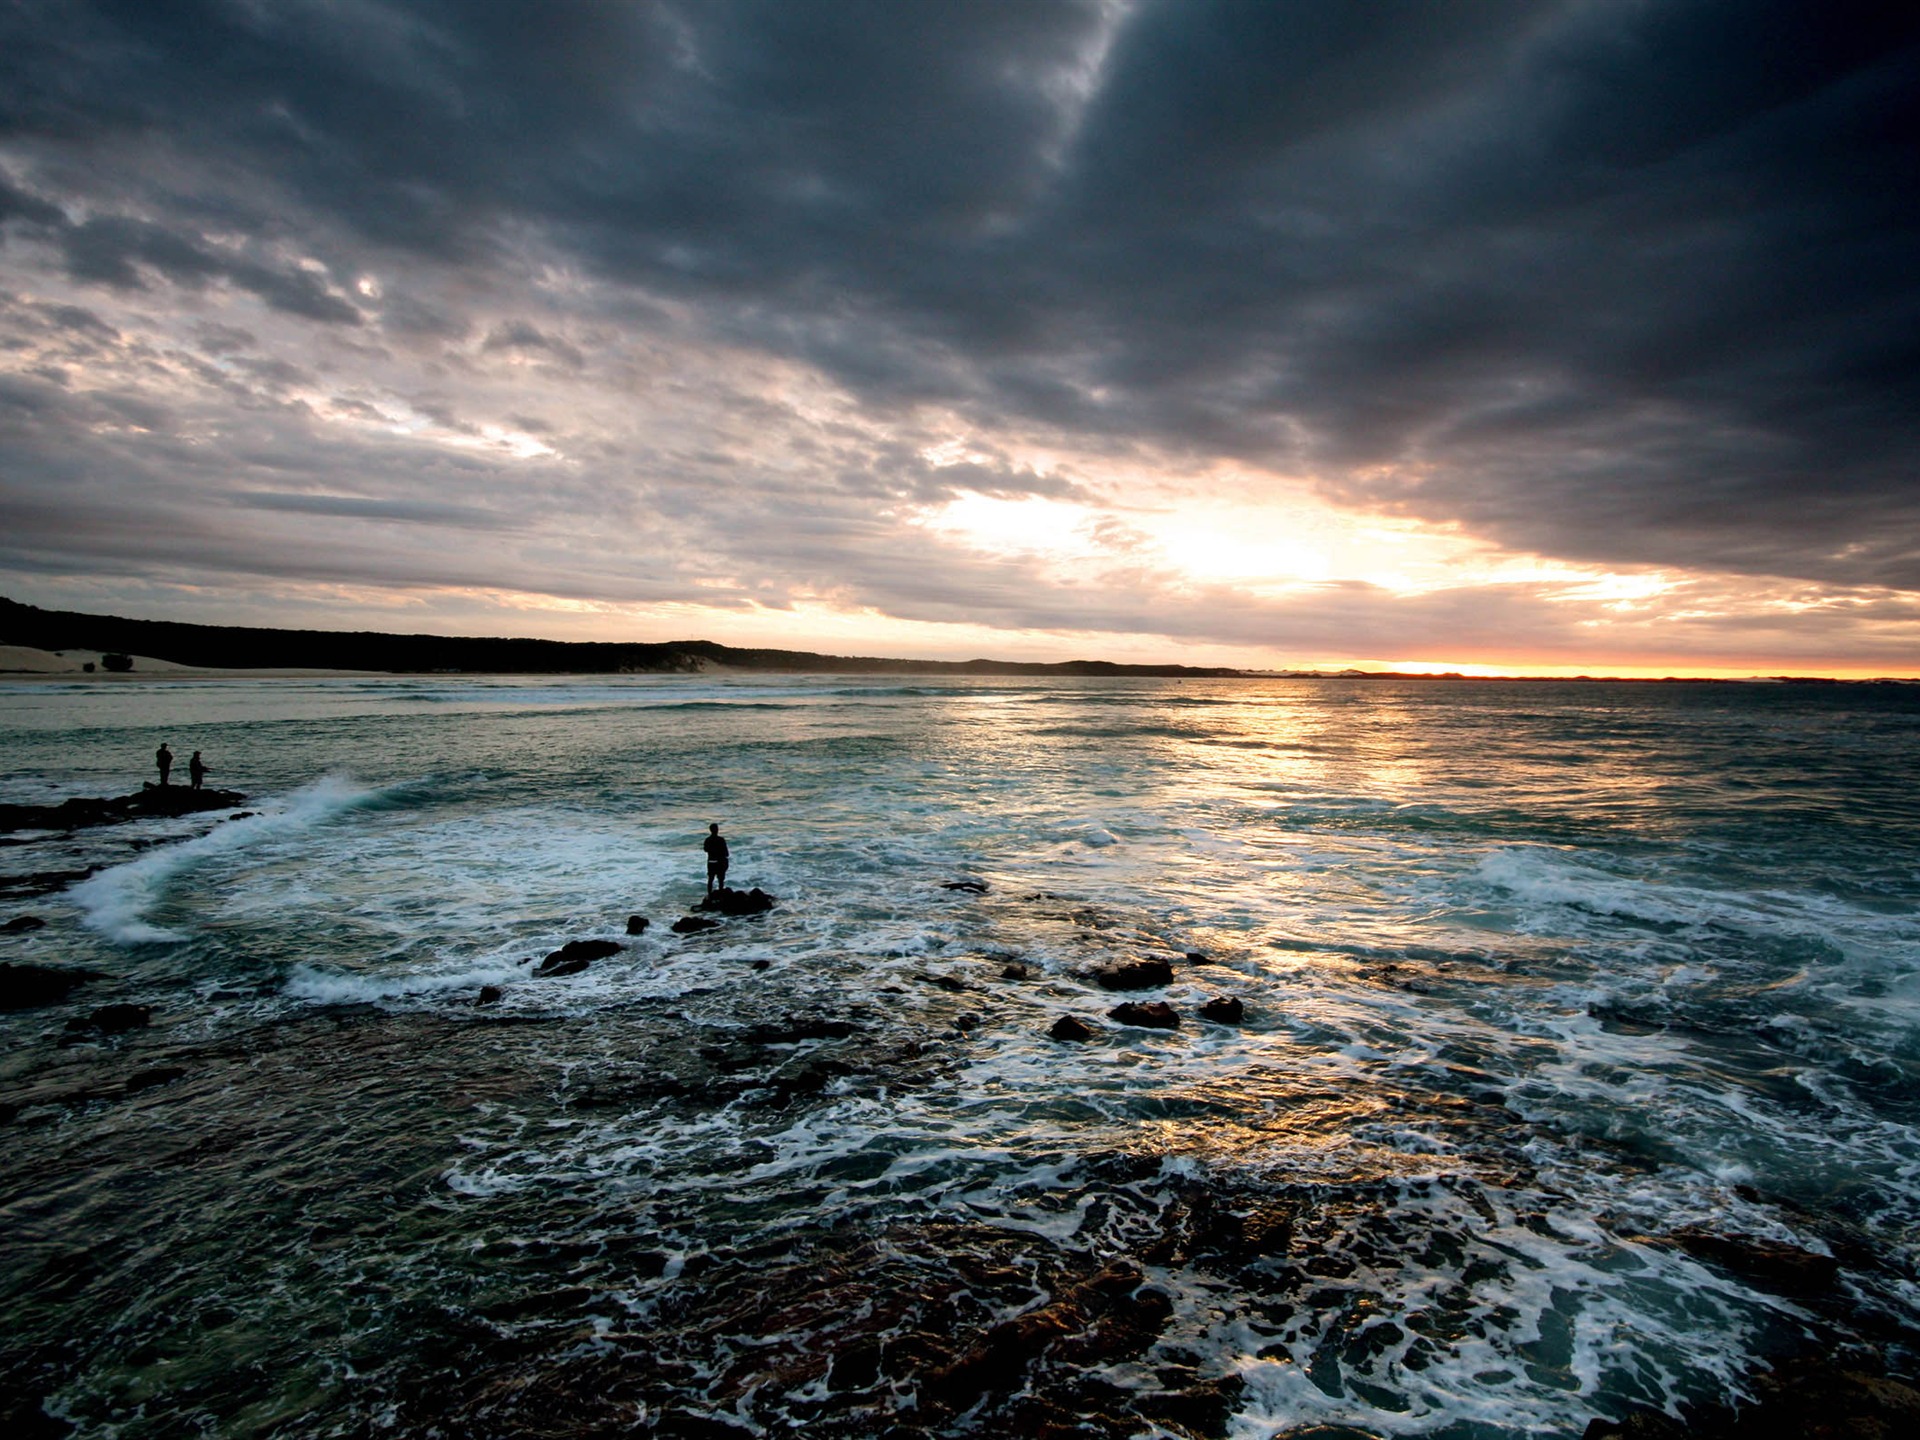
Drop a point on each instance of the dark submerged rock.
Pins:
(1140, 975)
(24, 987)
(489, 995)
(637, 924)
(1154, 1015)
(1199, 957)
(20, 924)
(42, 882)
(972, 887)
(1224, 1010)
(694, 924)
(1819, 1396)
(114, 1019)
(1783, 1269)
(152, 1078)
(1068, 1028)
(1014, 972)
(738, 902)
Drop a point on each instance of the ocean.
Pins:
(1578, 1069)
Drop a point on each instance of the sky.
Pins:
(1570, 336)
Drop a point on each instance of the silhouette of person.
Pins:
(163, 757)
(196, 769)
(716, 847)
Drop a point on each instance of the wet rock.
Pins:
(972, 887)
(20, 924)
(738, 902)
(760, 964)
(637, 924)
(574, 956)
(243, 815)
(999, 1361)
(1204, 1408)
(1014, 972)
(951, 984)
(1068, 1028)
(1199, 957)
(114, 1019)
(1782, 1269)
(694, 924)
(156, 1076)
(1140, 975)
(489, 995)
(1154, 1015)
(1224, 1010)
(151, 800)
(1108, 1318)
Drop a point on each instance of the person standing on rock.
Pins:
(163, 757)
(716, 847)
(196, 769)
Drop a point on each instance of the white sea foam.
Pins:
(116, 902)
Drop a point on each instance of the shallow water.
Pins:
(1541, 981)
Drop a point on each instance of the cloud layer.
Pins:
(715, 305)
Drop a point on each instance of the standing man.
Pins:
(196, 769)
(716, 848)
(163, 757)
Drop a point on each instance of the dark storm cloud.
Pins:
(1621, 283)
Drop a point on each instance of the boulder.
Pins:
(1154, 1015)
(1140, 975)
(637, 924)
(574, 956)
(1014, 972)
(21, 923)
(1224, 1010)
(1199, 957)
(694, 924)
(23, 987)
(737, 902)
(489, 995)
(1068, 1028)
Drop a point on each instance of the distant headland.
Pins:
(34, 641)
(242, 647)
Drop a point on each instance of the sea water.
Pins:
(1559, 999)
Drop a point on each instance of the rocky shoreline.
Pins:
(923, 1330)
(148, 803)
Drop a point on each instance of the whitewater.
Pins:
(1570, 1009)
